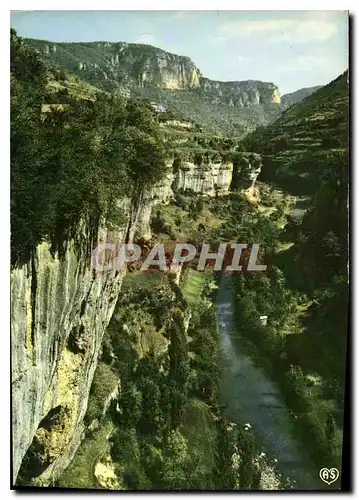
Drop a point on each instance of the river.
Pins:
(251, 397)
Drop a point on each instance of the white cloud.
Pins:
(301, 30)
(307, 31)
(309, 63)
(218, 40)
(304, 63)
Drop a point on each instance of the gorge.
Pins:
(147, 381)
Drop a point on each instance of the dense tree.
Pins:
(74, 161)
(247, 473)
(223, 471)
(178, 369)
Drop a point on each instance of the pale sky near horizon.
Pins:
(293, 49)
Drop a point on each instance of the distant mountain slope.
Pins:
(297, 96)
(124, 66)
(231, 108)
(174, 81)
(300, 147)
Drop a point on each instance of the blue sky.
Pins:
(292, 49)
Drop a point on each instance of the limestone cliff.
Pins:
(60, 309)
(128, 67)
(247, 167)
(208, 179)
(211, 178)
(217, 178)
(241, 94)
(125, 64)
(172, 82)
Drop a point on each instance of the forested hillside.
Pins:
(301, 146)
(288, 100)
(66, 160)
(305, 154)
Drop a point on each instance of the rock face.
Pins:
(60, 309)
(246, 169)
(146, 65)
(106, 475)
(241, 94)
(127, 67)
(210, 179)
(170, 72)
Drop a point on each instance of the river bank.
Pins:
(251, 396)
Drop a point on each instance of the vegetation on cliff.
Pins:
(168, 432)
(308, 142)
(72, 162)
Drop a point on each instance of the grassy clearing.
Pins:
(139, 280)
(193, 285)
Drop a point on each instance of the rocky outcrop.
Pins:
(111, 397)
(214, 179)
(106, 475)
(59, 312)
(241, 94)
(210, 179)
(178, 124)
(247, 167)
(168, 71)
(124, 64)
(128, 67)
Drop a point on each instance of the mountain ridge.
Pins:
(297, 146)
(136, 58)
(231, 108)
(298, 95)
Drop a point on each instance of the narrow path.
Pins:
(252, 397)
